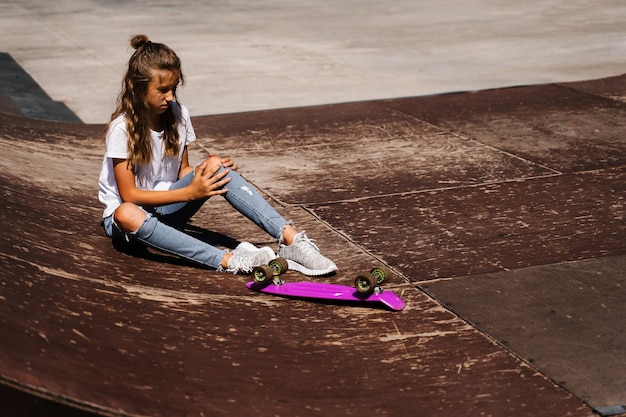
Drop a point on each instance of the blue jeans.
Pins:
(157, 231)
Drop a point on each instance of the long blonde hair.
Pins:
(148, 58)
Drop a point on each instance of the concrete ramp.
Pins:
(500, 212)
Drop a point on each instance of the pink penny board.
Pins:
(332, 292)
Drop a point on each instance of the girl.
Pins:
(148, 186)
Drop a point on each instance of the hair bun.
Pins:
(138, 41)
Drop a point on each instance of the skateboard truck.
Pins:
(371, 282)
(270, 273)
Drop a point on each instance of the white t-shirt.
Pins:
(158, 175)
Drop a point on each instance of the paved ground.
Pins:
(277, 53)
(500, 211)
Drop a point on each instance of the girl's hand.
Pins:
(207, 182)
(227, 162)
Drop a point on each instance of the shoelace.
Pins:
(308, 246)
(245, 264)
(245, 261)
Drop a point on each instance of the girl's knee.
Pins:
(213, 160)
(129, 217)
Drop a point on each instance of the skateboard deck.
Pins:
(331, 292)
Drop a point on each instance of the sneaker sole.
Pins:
(295, 266)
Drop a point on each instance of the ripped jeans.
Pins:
(156, 231)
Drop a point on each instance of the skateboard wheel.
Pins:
(279, 265)
(382, 274)
(262, 274)
(365, 283)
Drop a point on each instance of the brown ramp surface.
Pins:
(471, 197)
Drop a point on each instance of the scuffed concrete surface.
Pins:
(438, 196)
(563, 318)
(142, 335)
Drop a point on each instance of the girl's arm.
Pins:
(184, 164)
(206, 183)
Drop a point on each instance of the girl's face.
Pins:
(161, 91)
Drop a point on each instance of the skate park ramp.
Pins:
(499, 210)
(501, 213)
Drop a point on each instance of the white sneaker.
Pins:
(246, 256)
(305, 257)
